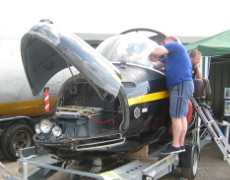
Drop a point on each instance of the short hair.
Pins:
(173, 38)
(194, 53)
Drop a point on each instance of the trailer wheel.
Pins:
(15, 137)
(189, 161)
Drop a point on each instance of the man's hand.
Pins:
(158, 64)
(199, 73)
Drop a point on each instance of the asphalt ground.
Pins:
(211, 166)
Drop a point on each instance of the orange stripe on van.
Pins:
(26, 108)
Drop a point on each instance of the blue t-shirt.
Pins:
(178, 64)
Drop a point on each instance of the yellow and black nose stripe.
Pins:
(148, 97)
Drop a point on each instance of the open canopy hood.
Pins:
(46, 51)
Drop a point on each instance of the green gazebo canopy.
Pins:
(217, 49)
(218, 44)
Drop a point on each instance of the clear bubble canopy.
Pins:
(133, 48)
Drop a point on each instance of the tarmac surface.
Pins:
(211, 167)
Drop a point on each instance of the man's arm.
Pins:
(199, 73)
(159, 51)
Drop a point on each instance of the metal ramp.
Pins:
(144, 170)
(213, 128)
(45, 166)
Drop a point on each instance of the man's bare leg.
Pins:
(177, 129)
(183, 131)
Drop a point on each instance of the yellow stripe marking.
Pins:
(26, 108)
(117, 77)
(110, 175)
(148, 98)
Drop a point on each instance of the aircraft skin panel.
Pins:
(16, 89)
(26, 108)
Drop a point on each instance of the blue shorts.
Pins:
(180, 95)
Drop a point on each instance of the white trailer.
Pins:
(144, 164)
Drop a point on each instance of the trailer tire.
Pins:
(190, 163)
(15, 137)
